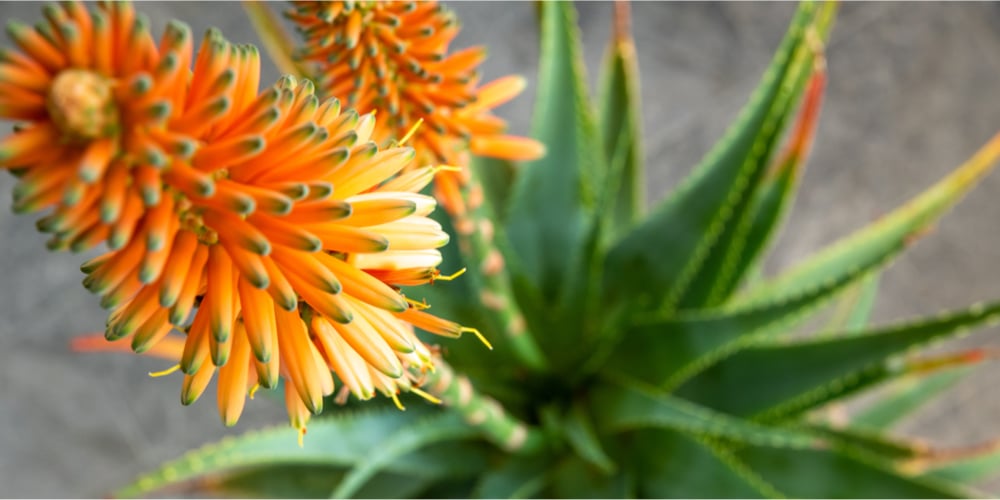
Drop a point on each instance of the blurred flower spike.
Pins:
(392, 57)
(267, 227)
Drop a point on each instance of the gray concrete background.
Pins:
(912, 93)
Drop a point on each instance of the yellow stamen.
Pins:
(412, 131)
(449, 277)
(425, 395)
(302, 437)
(419, 305)
(253, 390)
(163, 373)
(395, 399)
(479, 334)
(447, 168)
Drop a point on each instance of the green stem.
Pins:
(483, 412)
(274, 38)
(474, 230)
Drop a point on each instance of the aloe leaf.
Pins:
(965, 467)
(906, 395)
(868, 442)
(342, 441)
(733, 259)
(674, 465)
(573, 477)
(580, 433)
(824, 369)
(553, 197)
(629, 406)
(852, 312)
(667, 350)
(305, 481)
(838, 474)
(518, 477)
(654, 264)
(880, 241)
(407, 439)
(621, 127)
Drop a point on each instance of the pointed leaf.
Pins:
(675, 465)
(733, 258)
(877, 243)
(407, 439)
(572, 477)
(655, 262)
(342, 440)
(829, 474)
(906, 395)
(553, 197)
(852, 312)
(629, 406)
(669, 350)
(756, 381)
(621, 128)
(303, 481)
(580, 433)
(965, 468)
(518, 477)
(866, 442)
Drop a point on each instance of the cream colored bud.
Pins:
(81, 103)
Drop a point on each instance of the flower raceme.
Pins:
(272, 232)
(392, 57)
(93, 138)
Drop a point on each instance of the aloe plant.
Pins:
(639, 353)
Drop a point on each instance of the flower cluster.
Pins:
(392, 57)
(266, 227)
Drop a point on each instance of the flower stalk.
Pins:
(482, 412)
(475, 233)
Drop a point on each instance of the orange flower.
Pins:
(91, 92)
(392, 57)
(265, 226)
(268, 234)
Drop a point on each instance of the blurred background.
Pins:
(912, 93)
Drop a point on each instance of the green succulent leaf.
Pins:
(882, 240)
(755, 216)
(573, 477)
(655, 263)
(667, 350)
(628, 406)
(837, 474)
(621, 129)
(675, 465)
(407, 439)
(306, 481)
(518, 477)
(582, 436)
(852, 312)
(553, 197)
(824, 369)
(871, 443)
(905, 396)
(965, 469)
(340, 441)
(730, 264)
